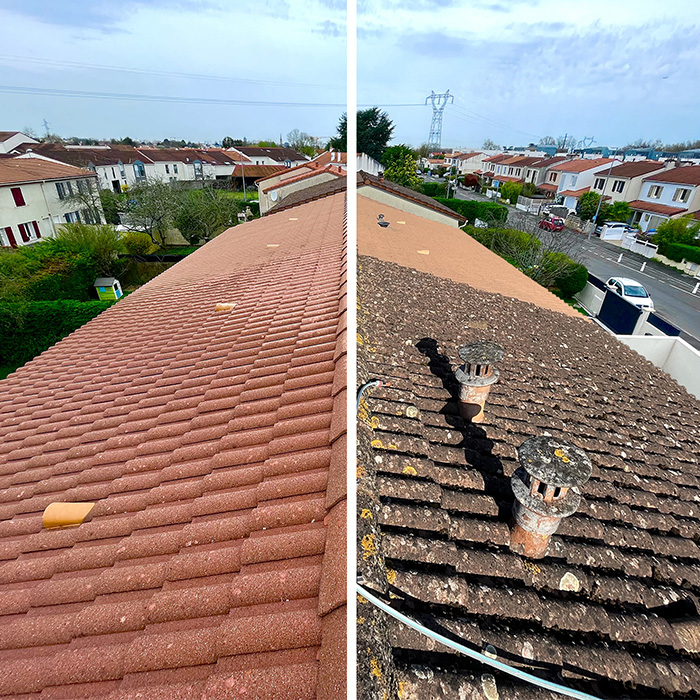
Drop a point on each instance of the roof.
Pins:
(279, 154)
(580, 165)
(596, 613)
(527, 161)
(655, 208)
(15, 171)
(498, 158)
(504, 178)
(330, 157)
(213, 444)
(104, 282)
(256, 171)
(4, 135)
(548, 187)
(365, 179)
(684, 175)
(547, 162)
(636, 168)
(334, 170)
(467, 156)
(87, 155)
(575, 193)
(515, 160)
(311, 166)
(309, 194)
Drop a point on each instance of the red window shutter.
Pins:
(24, 233)
(36, 229)
(17, 196)
(11, 236)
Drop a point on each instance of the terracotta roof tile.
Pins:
(206, 445)
(655, 208)
(19, 170)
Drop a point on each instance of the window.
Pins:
(9, 238)
(167, 169)
(17, 196)
(88, 217)
(574, 178)
(113, 175)
(681, 194)
(618, 186)
(64, 189)
(510, 170)
(175, 168)
(37, 233)
(552, 177)
(599, 184)
(139, 170)
(655, 191)
(72, 217)
(23, 231)
(83, 186)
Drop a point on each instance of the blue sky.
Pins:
(280, 51)
(522, 69)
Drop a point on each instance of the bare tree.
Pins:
(151, 207)
(84, 196)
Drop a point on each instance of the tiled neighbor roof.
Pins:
(435, 498)
(213, 444)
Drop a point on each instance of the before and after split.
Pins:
(349, 350)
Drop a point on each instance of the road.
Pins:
(670, 289)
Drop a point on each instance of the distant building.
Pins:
(10, 141)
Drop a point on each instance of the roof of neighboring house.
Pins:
(256, 171)
(222, 157)
(212, 442)
(597, 612)
(84, 156)
(684, 175)
(365, 179)
(467, 156)
(547, 187)
(575, 193)
(636, 168)
(311, 166)
(547, 162)
(580, 165)
(527, 161)
(279, 154)
(334, 170)
(655, 208)
(310, 194)
(330, 157)
(505, 178)
(498, 158)
(4, 135)
(515, 160)
(25, 170)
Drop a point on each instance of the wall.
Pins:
(35, 209)
(279, 193)
(406, 205)
(591, 298)
(672, 355)
(666, 198)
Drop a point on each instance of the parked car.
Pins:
(632, 291)
(612, 227)
(552, 223)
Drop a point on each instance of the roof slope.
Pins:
(580, 165)
(635, 168)
(684, 175)
(655, 207)
(308, 194)
(213, 444)
(19, 170)
(592, 613)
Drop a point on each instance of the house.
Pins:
(538, 173)
(204, 416)
(396, 198)
(364, 162)
(258, 155)
(469, 162)
(490, 166)
(11, 141)
(575, 176)
(624, 182)
(35, 198)
(610, 610)
(671, 193)
(276, 187)
(244, 176)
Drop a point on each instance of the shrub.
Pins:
(573, 281)
(29, 328)
(102, 243)
(434, 189)
(511, 191)
(682, 230)
(470, 210)
(680, 252)
(137, 242)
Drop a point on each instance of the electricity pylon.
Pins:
(438, 102)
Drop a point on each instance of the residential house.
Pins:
(610, 610)
(364, 162)
(35, 198)
(244, 176)
(469, 162)
(490, 166)
(623, 182)
(574, 177)
(258, 155)
(402, 199)
(666, 195)
(14, 141)
(275, 188)
(538, 173)
(204, 416)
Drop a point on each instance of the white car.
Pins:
(632, 291)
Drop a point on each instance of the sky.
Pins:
(197, 53)
(611, 70)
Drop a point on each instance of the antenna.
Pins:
(438, 102)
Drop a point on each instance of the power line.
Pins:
(149, 71)
(85, 94)
(494, 122)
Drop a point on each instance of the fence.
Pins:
(630, 242)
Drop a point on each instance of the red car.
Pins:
(552, 223)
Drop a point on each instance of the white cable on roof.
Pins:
(522, 675)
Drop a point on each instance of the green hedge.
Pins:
(471, 210)
(434, 189)
(29, 328)
(680, 252)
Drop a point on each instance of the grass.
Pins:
(571, 301)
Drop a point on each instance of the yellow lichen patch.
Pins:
(392, 446)
(361, 471)
(565, 459)
(374, 423)
(360, 340)
(374, 666)
(408, 469)
(361, 600)
(360, 620)
(391, 576)
(559, 453)
(532, 568)
(400, 690)
(369, 546)
(366, 514)
(377, 443)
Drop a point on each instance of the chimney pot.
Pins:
(546, 486)
(476, 376)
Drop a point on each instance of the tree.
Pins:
(423, 150)
(511, 191)
(151, 207)
(618, 211)
(202, 214)
(101, 243)
(490, 145)
(86, 198)
(682, 230)
(588, 205)
(374, 131)
(565, 142)
(401, 166)
(547, 141)
(227, 142)
(298, 139)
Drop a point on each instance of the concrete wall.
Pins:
(591, 298)
(406, 205)
(672, 355)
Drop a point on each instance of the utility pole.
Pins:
(438, 102)
(600, 201)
